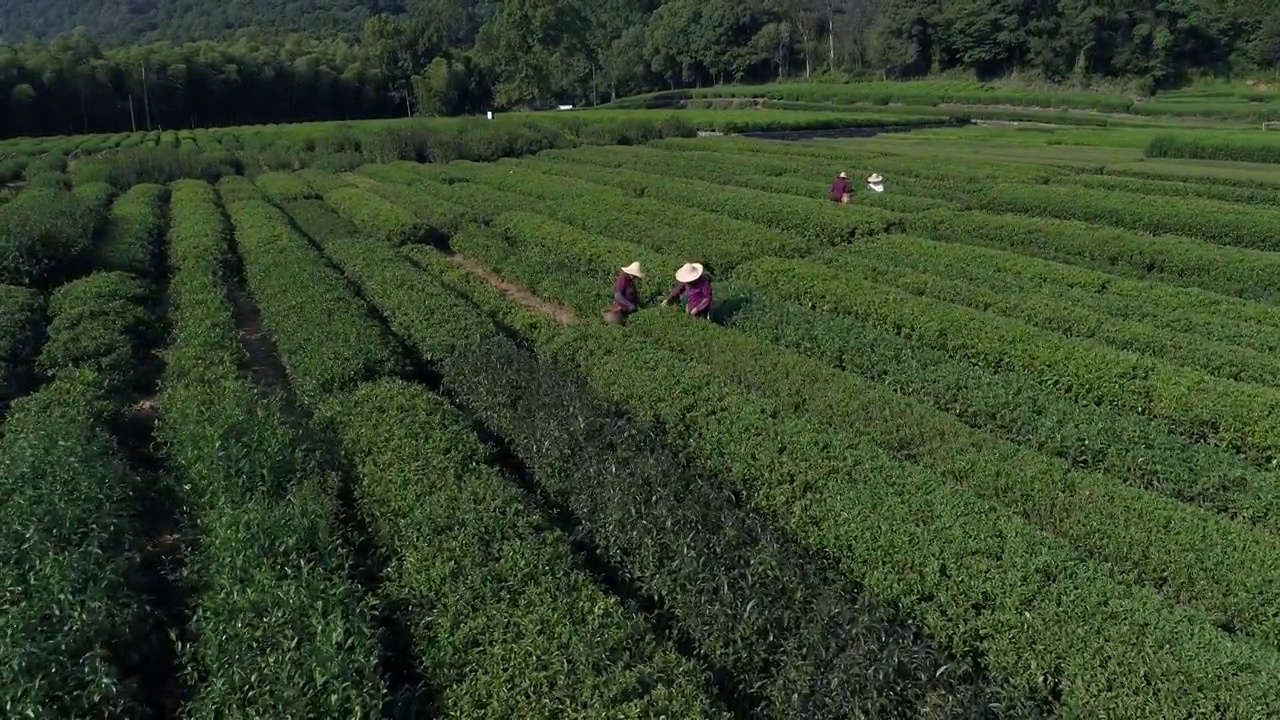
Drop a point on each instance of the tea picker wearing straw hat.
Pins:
(875, 183)
(841, 188)
(693, 284)
(626, 299)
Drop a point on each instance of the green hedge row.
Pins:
(1047, 623)
(1237, 272)
(71, 617)
(1212, 221)
(1144, 539)
(1012, 287)
(134, 231)
(537, 250)
(504, 621)
(816, 220)
(326, 335)
(278, 628)
(894, 160)
(284, 186)
(45, 236)
(1024, 411)
(1213, 316)
(435, 505)
(23, 324)
(378, 218)
(527, 324)
(739, 171)
(927, 92)
(1199, 406)
(395, 185)
(720, 241)
(1219, 148)
(1156, 189)
(773, 617)
(103, 322)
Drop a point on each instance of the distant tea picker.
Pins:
(842, 189)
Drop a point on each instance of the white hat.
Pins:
(843, 175)
(633, 270)
(689, 272)
(875, 179)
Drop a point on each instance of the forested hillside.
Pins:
(120, 21)
(448, 56)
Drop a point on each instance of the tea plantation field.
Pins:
(1001, 441)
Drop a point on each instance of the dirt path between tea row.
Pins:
(515, 293)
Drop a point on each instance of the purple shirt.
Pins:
(624, 293)
(698, 294)
(839, 187)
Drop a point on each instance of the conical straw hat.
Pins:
(633, 270)
(689, 272)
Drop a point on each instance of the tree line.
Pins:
(442, 57)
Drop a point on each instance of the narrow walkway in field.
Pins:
(262, 362)
(159, 514)
(514, 292)
(406, 687)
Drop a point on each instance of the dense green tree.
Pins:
(178, 64)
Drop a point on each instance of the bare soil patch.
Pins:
(262, 363)
(515, 293)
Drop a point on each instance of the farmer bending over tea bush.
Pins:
(626, 299)
(695, 286)
(841, 188)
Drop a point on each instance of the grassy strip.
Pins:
(1144, 538)
(1201, 407)
(817, 220)
(1046, 621)
(279, 629)
(443, 219)
(1179, 309)
(1026, 412)
(70, 612)
(896, 160)
(1238, 175)
(763, 176)
(1246, 274)
(1221, 223)
(135, 226)
(1173, 189)
(961, 275)
(284, 187)
(378, 218)
(424, 484)
(1212, 220)
(776, 620)
(23, 324)
(1218, 148)
(602, 210)
(534, 247)
(327, 337)
(526, 324)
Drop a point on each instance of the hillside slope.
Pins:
(119, 21)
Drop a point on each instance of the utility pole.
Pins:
(133, 120)
(146, 99)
